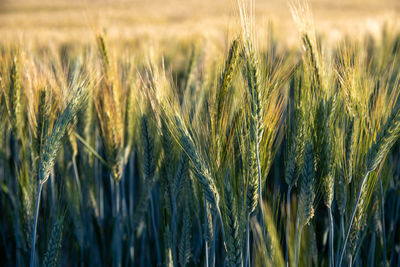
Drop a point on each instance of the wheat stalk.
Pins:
(378, 151)
(305, 209)
(51, 146)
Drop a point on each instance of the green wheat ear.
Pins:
(307, 194)
(51, 146)
(234, 254)
(384, 142)
(149, 169)
(53, 142)
(148, 148)
(200, 167)
(185, 241)
(103, 49)
(15, 98)
(231, 65)
(54, 246)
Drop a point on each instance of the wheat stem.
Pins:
(296, 239)
(260, 199)
(353, 214)
(222, 228)
(331, 236)
(32, 260)
(174, 228)
(371, 256)
(91, 150)
(341, 236)
(287, 224)
(153, 224)
(383, 221)
(76, 175)
(212, 260)
(205, 232)
(247, 257)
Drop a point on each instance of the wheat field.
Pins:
(186, 133)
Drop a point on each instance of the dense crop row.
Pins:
(268, 157)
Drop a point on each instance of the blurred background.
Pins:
(126, 20)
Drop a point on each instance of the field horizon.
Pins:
(43, 22)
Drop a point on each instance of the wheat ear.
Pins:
(305, 210)
(51, 146)
(234, 243)
(384, 142)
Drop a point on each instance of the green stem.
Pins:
(287, 224)
(222, 229)
(297, 240)
(371, 256)
(247, 256)
(153, 223)
(298, 245)
(91, 150)
(331, 253)
(76, 174)
(353, 214)
(174, 227)
(205, 232)
(32, 261)
(383, 221)
(296, 234)
(341, 233)
(212, 259)
(260, 199)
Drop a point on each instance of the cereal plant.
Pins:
(248, 153)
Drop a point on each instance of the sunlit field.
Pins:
(47, 22)
(200, 133)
